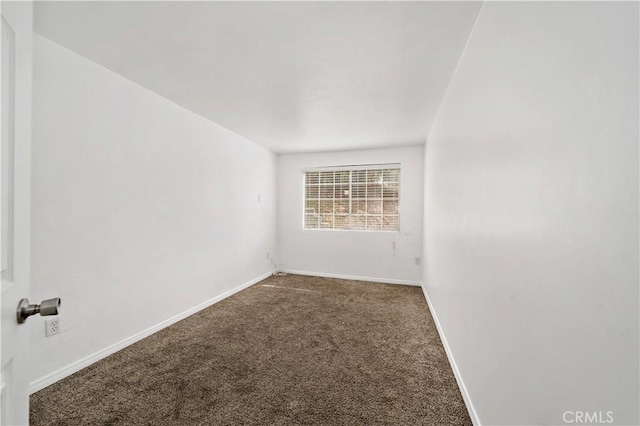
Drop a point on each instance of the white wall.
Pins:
(531, 212)
(141, 209)
(352, 253)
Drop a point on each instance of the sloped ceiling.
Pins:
(291, 76)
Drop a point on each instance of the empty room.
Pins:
(320, 212)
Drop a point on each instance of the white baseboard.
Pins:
(76, 366)
(463, 389)
(352, 277)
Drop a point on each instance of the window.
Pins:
(353, 198)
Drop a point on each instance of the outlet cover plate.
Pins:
(52, 326)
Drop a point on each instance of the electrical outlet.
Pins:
(52, 326)
(417, 261)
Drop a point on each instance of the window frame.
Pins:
(350, 169)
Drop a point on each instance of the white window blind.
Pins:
(356, 198)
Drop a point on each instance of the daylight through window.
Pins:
(352, 199)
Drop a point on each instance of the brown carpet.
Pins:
(288, 350)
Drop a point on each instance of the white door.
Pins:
(17, 34)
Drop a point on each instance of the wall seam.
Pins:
(455, 70)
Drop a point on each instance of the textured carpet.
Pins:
(288, 350)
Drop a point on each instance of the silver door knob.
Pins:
(47, 307)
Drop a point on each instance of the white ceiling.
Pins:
(293, 77)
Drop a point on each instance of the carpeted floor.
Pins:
(288, 350)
